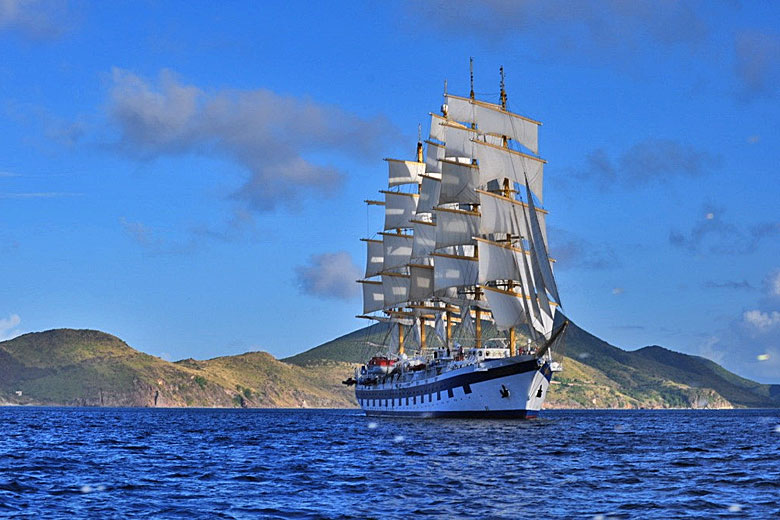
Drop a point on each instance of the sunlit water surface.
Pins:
(119, 463)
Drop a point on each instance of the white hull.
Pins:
(475, 390)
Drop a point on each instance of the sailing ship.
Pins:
(461, 273)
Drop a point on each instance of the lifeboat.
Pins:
(380, 365)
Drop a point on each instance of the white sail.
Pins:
(498, 163)
(507, 307)
(500, 215)
(421, 286)
(491, 119)
(544, 303)
(461, 109)
(458, 141)
(373, 296)
(429, 194)
(424, 241)
(458, 183)
(416, 334)
(529, 289)
(374, 257)
(455, 227)
(540, 248)
(395, 289)
(404, 172)
(439, 327)
(399, 209)
(498, 261)
(397, 250)
(433, 156)
(437, 132)
(505, 215)
(454, 271)
(466, 321)
(395, 336)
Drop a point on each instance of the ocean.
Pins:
(339, 464)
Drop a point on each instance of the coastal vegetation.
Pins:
(91, 368)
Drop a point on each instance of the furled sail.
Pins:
(454, 271)
(399, 209)
(397, 250)
(458, 183)
(496, 162)
(491, 119)
(404, 172)
(455, 227)
(373, 296)
(374, 257)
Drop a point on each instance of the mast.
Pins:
(400, 339)
(503, 91)
(471, 76)
(507, 192)
(452, 244)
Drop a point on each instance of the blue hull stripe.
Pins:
(451, 382)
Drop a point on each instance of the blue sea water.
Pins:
(158, 463)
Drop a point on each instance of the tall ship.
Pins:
(460, 274)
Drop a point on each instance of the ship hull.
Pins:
(502, 388)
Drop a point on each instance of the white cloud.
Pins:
(329, 275)
(773, 283)
(271, 135)
(8, 327)
(761, 320)
(36, 19)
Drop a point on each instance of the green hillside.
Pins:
(91, 368)
(599, 375)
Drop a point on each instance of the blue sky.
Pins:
(190, 176)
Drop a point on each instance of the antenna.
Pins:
(503, 92)
(471, 74)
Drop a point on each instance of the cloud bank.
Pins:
(757, 65)
(648, 161)
(608, 30)
(713, 233)
(329, 275)
(270, 134)
(574, 252)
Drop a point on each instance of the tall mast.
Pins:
(503, 92)
(471, 75)
(507, 193)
